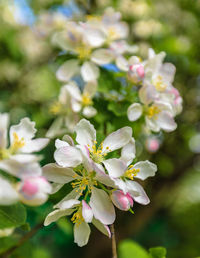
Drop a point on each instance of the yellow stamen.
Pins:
(83, 52)
(17, 143)
(86, 99)
(96, 154)
(55, 108)
(159, 84)
(131, 172)
(77, 217)
(153, 111)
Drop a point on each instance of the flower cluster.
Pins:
(18, 160)
(98, 181)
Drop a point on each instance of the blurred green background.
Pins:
(28, 86)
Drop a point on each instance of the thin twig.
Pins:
(114, 246)
(26, 237)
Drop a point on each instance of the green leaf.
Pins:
(12, 216)
(129, 249)
(118, 108)
(157, 252)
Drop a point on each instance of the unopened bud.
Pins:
(34, 191)
(122, 201)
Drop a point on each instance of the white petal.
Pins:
(117, 139)
(55, 215)
(59, 144)
(20, 170)
(147, 169)
(67, 70)
(167, 72)
(152, 124)
(90, 88)
(72, 195)
(102, 56)
(120, 184)
(56, 187)
(128, 152)
(81, 234)
(115, 167)
(68, 139)
(89, 111)
(87, 212)
(8, 195)
(101, 227)
(73, 90)
(4, 121)
(89, 71)
(94, 37)
(34, 145)
(85, 133)
(68, 156)
(102, 177)
(25, 129)
(69, 204)
(137, 192)
(166, 121)
(134, 111)
(102, 206)
(57, 174)
(122, 63)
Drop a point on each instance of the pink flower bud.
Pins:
(34, 190)
(122, 201)
(152, 144)
(136, 72)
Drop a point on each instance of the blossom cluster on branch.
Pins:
(102, 175)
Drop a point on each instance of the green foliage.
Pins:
(12, 216)
(129, 249)
(157, 252)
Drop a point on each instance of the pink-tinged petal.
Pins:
(67, 70)
(89, 72)
(85, 133)
(146, 169)
(86, 212)
(121, 201)
(117, 139)
(57, 174)
(101, 227)
(134, 111)
(137, 192)
(152, 144)
(102, 206)
(81, 234)
(166, 121)
(115, 167)
(128, 152)
(68, 156)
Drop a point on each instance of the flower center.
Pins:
(17, 143)
(159, 84)
(96, 154)
(56, 108)
(112, 33)
(131, 172)
(83, 52)
(86, 100)
(153, 111)
(77, 217)
(86, 181)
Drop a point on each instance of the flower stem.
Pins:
(114, 245)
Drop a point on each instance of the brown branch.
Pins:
(25, 238)
(114, 245)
